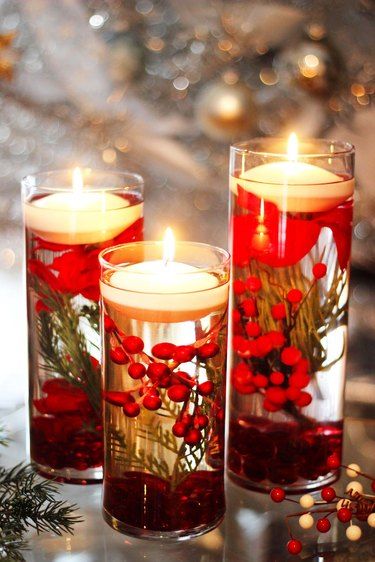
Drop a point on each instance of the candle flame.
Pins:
(292, 147)
(261, 210)
(168, 246)
(77, 180)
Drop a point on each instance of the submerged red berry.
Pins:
(118, 356)
(136, 370)
(179, 429)
(133, 344)
(277, 338)
(208, 350)
(333, 461)
(253, 283)
(239, 287)
(206, 388)
(109, 324)
(163, 350)
(294, 296)
(253, 329)
(260, 381)
(277, 378)
(192, 436)
(116, 397)
(131, 409)
(152, 402)
(202, 421)
(299, 380)
(290, 355)
(278, 311)
(249, 307)
(304, 399)
(276, 395)
(184, 353)
(178, 393)
(319, 270)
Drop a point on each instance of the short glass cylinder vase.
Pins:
(69, 218)
(164, 358)
(291, 225)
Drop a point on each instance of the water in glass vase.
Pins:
(164, 421)
(66, 434)
(289, 332)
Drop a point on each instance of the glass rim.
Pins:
(249, 147)
(224, 263)
(133, 180)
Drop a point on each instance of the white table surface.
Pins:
(253, 530)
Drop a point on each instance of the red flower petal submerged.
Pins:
(76, 271)
(281, 239)
(62, 398)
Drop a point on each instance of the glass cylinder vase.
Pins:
(164, 359)
(291, 224)
(70, 216)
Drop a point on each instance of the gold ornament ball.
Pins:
(352, 470)
(225, 111)
(306, 521)
(355, 486)
(313, 66)
(306, 501)
(353, 532)
(371, 519)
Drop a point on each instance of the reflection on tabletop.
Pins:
(253, 530)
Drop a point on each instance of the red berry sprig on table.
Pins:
(353, 505)
(161, 370)
(269, 364)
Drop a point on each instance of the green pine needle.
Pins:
(28, 502)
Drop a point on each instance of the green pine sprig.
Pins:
(63, 346)
(28, 502)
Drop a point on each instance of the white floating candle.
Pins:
(175, 291)
(80, 216)
(295, 186)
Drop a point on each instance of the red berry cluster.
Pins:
(161, 370)
(268, 363)
(354, 504)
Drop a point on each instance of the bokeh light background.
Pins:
(162, 87)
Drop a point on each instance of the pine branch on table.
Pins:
(28, 502)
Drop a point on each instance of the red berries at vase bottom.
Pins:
(65, 431)
(192, 503)
(268, 453)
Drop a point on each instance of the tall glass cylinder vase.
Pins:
(291, 224)
(164, 359)
(69, 218)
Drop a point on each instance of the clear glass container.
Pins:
(70, 216)
(164, 359)
(290, 224)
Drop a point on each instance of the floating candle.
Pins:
(165, 286)
(295, 186)
(80, 215)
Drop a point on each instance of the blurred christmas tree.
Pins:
(162, 86)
